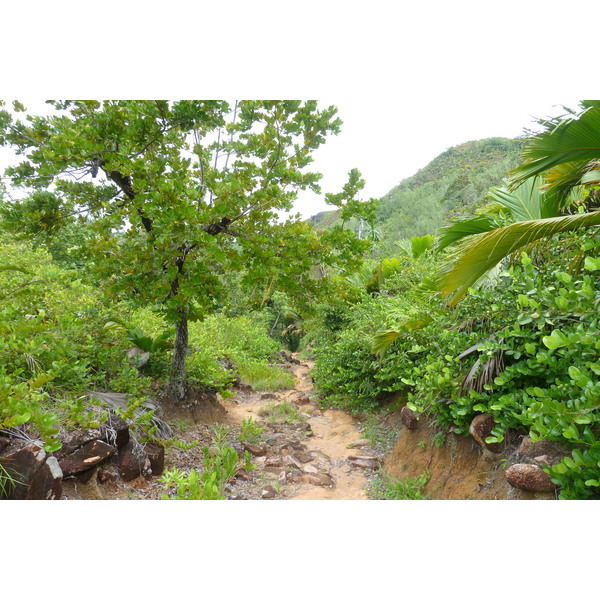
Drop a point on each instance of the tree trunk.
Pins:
(178, 381)
(361, 226)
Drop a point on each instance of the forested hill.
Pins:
(454, 183)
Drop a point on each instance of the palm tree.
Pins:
(560, 171)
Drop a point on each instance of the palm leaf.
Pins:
(421, 244)
(404, 245)
(574, 140)
(527, 202)
(479, 253)
(382, 340)
(457, 230)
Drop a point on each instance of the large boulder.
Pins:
(132, 461)
(530, 478)
(88, 456)
(35, 475)
(73, 440)
(551, 452)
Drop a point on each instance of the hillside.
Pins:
(454, 183)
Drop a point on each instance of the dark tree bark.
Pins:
(178, 387)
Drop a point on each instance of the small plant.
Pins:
(422, 444)
(219, 437)
(284, 411)
(250, 432)
(177, 443)
(219, 463)
(386, 487)
(187, 487)
(139, 339)
(7, 481)
(248, 464)
(439, 439)
(183, 425)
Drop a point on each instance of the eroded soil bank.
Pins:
(459, 468)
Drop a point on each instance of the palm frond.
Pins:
(457, 230)
(382, 340)
(479, 253)
(527, 202)
(573, 140)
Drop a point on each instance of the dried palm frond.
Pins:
(482, 374)
(117, 400)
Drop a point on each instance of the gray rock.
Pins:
(360, 443)
(292, 461)
(365, 462)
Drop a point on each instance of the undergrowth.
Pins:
(386, 487)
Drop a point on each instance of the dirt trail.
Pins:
(324, 457)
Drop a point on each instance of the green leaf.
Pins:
(591, 264)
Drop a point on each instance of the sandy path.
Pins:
(333, 431)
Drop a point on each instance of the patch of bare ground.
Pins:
(305, 453)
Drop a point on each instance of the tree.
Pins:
(179, 192)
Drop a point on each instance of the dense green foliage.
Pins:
(60, 339)
(534, 369)
(522, 343)
(177, 194)
(421, 318)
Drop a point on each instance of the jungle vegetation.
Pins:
(471, 287)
